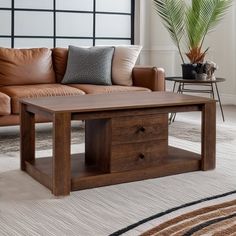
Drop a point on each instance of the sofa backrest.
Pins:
(60, 56)
(26, 66)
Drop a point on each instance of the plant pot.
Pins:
(201, 76)
(189, 71)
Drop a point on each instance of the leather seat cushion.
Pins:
(26, 66)
(39, 90)
(5, 104)
(101, 89)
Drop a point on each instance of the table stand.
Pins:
(209, 84)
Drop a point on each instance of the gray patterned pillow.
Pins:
(89, 66)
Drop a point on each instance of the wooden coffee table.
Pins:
(126, 139)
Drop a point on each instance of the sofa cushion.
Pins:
(59, 56)
(40, 90)
(26, 66)
(124, 61)
(89, 65)
(101, 89)
(5, 104)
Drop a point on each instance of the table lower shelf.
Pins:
(84, 177)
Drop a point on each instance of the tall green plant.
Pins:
(172, 13)
(194, 21)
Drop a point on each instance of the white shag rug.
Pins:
(28, 208)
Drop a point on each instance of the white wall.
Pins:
(160, 51)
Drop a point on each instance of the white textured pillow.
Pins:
(124, 60)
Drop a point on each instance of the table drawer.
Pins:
(139, 128)
(138, 155)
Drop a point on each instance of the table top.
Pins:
(113, 102)
(197, 81)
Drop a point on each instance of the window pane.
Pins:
(64, 43)
(74, 24)
(5, 42)
(112, 42)
(34, 4)
(123, 6)
(33, 43)
(34, 23)
(79, 5)
(5, 22)
(113, 26)
(5, 3)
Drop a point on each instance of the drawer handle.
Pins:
(142, 129)
(141, 156)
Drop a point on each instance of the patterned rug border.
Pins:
(194, 216)
(158, 215)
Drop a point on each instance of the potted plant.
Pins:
(188, 23)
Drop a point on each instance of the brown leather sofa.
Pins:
(38, 72)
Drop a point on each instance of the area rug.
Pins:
(28, 208)
(215, 220)
(9, 142)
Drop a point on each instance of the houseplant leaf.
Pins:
(194, 21)
(201, 17)
(172, 13)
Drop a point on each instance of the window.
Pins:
(59, 23)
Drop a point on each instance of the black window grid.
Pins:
(54, 11)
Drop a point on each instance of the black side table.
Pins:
(207, 84)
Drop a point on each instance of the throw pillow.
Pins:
(124, 60)
(89, 65)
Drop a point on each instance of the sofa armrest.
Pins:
(5, 104)
(149, 77)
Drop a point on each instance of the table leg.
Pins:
(172, 114)
(218, 97)
(27, 136)
(181, 86)
(174, 87)
(212, 91)
(208, 136)
(61, 168)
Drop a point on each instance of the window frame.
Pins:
(54, 11)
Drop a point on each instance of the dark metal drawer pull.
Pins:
(141, 156)
(142, 129)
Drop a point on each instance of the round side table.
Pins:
(209, 86)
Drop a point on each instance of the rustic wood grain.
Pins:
(113, 102)
(98, 143)
(208, 136)
(61, 177)
(131, 156)
(84, 176)
(27, 136)
(139, 128)
(126, 139)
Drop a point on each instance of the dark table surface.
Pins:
(181, 80)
